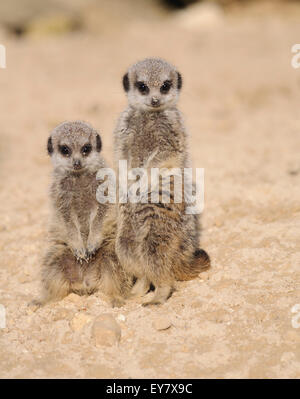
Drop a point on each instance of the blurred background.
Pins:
(240, 99)
(41, 18)
(35, 18)
(65, 58)
(38, 19)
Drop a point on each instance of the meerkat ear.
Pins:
(98, 143)
(126, 82)
(50, 146)
(179, 81)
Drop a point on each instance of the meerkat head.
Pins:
(152, 85)
(75, 147)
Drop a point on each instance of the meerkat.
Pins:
(81, 257)
(156, 242)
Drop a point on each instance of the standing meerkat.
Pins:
(81, 257)
(156, 242)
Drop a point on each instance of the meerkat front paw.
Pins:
(81, 255)
(93, 244)
(91, 251)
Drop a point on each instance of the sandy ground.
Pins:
(241, 102)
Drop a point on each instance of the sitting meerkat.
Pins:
(156, 242)
(81, 257)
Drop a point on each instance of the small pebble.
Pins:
(121, 317)
(162, 323)
(79, 321)
(106, 331)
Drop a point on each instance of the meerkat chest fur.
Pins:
(75, 194)
(148, 134)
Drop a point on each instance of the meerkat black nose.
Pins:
(77, 164)
(155, 102)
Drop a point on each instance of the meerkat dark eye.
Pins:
(86, 149)
(142, 87)
(65, 150)
(166, 87)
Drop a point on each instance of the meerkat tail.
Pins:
(199, 263)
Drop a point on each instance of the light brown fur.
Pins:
(157, 243)
(81, 257)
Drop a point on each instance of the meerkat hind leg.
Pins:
(60, 269)
(55, 291)
(140, 288)
(48, 297)
(161, 294)
(110, 285)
